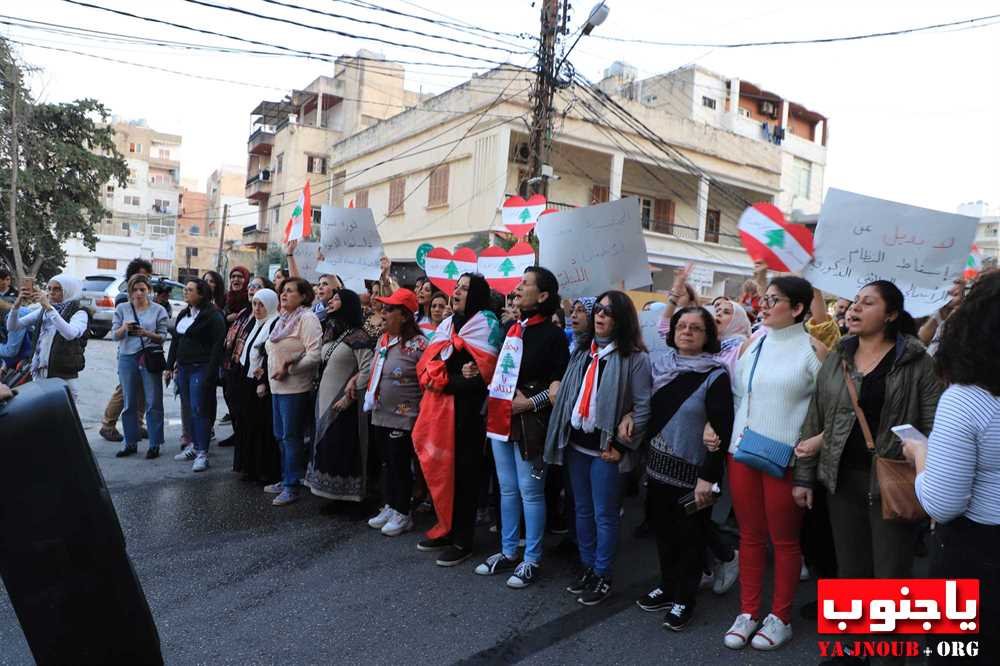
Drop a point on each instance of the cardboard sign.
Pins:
(444, 268)
(595, 248)
(307, 256)
(351, 245)
(861, 239)
(649, 324)
(503, 268)
(702, 279)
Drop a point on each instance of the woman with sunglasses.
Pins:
(608, 378)
(773, 384)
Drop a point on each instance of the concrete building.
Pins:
(197, 247)
(987, 238)
(143, 212)
(435, 175)
(291, 138)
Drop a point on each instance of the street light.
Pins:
(597, 16)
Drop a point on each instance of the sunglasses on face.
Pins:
(603, 309)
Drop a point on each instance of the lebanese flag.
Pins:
(434, 431)
(444, 268)
(503, 268)
(768, 237)
(500, 405)
(300, 223)
(974, 264)
(520, 215)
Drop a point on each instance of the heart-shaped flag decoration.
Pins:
(503, 268)
(444, 268)
(768, 237)
(520, 215)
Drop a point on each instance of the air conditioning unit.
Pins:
(769, 108)
(265, 175)
(522, 153)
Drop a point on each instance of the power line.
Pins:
(455, 25)
(332, 31)
(791, 42)
(310, 55)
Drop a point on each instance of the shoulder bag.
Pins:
(150, 358)
(896, 478)
(759, 451)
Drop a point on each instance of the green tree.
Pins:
(66, 156)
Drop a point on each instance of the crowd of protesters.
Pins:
(763, 416)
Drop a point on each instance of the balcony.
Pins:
(258, 188)
(261, 141)
(255, 238)
(162, 163)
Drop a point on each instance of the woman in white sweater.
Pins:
(773, 382)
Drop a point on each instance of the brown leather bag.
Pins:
(896, 478)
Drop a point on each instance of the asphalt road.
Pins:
(231, 579)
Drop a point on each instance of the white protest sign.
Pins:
(861, 239)
(351, 245)
(595, 248)
(702, 279)
(307, 256)
(649, 324)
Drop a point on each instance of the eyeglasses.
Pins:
(603, 309)
(771, 301)
(692, 328)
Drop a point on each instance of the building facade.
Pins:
(434, 175)
(143, 212)
(987, 238)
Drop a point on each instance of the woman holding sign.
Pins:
(608, 378)
(773, 383)
(892, 383)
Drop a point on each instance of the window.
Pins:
(316, 164)
(156, 179)
(195, 230)
(194, 251)
(801, 177)
(663, 216)
(437, 193)
(107, 264)
(161, 205)
(708, 102)
(110, 190)
(163, 154)
(131, 200)
(278, 162)
(274, 216)
(361, 199)
(646, 211)
(599, 194)
(131, 176)
(744, 112)
(712, 222)
(135, 148)
(397, 189)
(317, 221)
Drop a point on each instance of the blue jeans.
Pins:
(291, 412)
(597, 498)
(196, 388)
(133, 377)
(518, 487)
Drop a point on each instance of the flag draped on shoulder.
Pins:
(434, 430)
(500, 406)
(299, 225)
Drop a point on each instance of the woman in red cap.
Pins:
(393, 397)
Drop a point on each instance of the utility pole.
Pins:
(541, 120)
(222, 237)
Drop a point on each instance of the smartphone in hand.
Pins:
(908, 432)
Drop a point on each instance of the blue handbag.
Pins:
(759, 451)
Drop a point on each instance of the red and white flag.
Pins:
(768, 237)
(444, 268)
(300, 223)
(503, 268)
(520, 215)
(500, 406)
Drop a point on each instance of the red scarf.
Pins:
(500, 407)
(585, 410)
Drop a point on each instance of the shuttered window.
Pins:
(397, 190)
(599, 194)
(361, 199)
(663, 216)
(437, 192)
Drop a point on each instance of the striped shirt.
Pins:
(962, 472)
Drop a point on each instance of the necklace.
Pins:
(875, 363)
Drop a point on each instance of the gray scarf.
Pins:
(667, 364)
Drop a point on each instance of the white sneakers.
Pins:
(379, 521)
(398, 523)
(187, 453)
(391, 522)
(726, 574)
(772, 634)
(200, 463)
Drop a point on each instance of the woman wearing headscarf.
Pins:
(256, 454)
(239, 319)
(338, 465)
(579, 320)
(59, 351)
(450, 433)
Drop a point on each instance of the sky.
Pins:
(912, 118)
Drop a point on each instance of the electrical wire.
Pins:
(454, 24)
(792, 42)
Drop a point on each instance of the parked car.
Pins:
(100, 292)
(176, 296)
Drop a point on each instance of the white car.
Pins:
(101, 291)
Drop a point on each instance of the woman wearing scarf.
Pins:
(690, 388)
(256, 454)
(293, 352)
(338, 466)
(239, 318)
(533, 359)
(450, 433)
(59, 351)
(579, 320)
(608, 377)
(393, 397)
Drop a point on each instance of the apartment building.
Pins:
(433, 175)
(143, 212)
(198, 229)
(291, 138)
